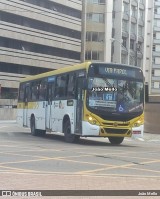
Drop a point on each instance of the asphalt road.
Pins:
(28, 162)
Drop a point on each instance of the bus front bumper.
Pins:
(137, 132)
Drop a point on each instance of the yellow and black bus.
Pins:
(85, 100)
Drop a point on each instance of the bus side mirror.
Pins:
(84, 84)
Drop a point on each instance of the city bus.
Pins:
(90, 99)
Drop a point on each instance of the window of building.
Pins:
(95, 17)
(132, 61)
(95, 36)
(153, 60)
(133, 28)
(132, 44)
(88, 55)
(140, 30)
(32, 23)
(96, 1)
(123, 59)
(157, 73)
(139, 62)
(139, 46)
(141, 14)
(156, 85)
(155, 22)
(125, 7)
(56, 7)
(154, 35)
(153, 47)
(124, 41)
(125, 25)
(155, 10)
(38, 48)
(88, 36)
(133, 11)
(94, 55)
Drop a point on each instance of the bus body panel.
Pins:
(89, 129)
(61, 108)
(38, 110)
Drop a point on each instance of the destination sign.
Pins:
(115, 70)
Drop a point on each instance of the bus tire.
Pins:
(71, 138)
(34, 131)
(42, 132)
(116, 140)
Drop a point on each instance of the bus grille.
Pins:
(117, 131)
(118, 124)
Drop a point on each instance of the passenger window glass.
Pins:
(35, 93)
(21, 92)
(71, 86)
(61, 86)
(42, 90)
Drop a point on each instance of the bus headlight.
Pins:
(139, 122)
(92, 120)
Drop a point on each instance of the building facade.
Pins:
(153, 47)
(37, 36)
(115, 31)
(98, 30)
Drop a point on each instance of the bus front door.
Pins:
(79, 108)
(49, 107)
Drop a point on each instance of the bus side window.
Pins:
(21, 93)
(61, 86)
(35, 91)
(71, 86)
(42, 90)
(27, 95)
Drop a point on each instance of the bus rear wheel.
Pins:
(71, 138)
(116, 140)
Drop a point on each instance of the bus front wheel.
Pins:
(67, 133)
(116, 140)
(33, 127)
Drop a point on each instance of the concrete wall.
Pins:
(152, 118)
(8, 113)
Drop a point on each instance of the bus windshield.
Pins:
(115, 93)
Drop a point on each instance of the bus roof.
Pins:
(84, 65)
(66, 69)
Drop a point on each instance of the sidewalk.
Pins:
(7, 121)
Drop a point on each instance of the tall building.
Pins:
(37, 36)
(115, 31)
(98, 29)
(152, 72)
